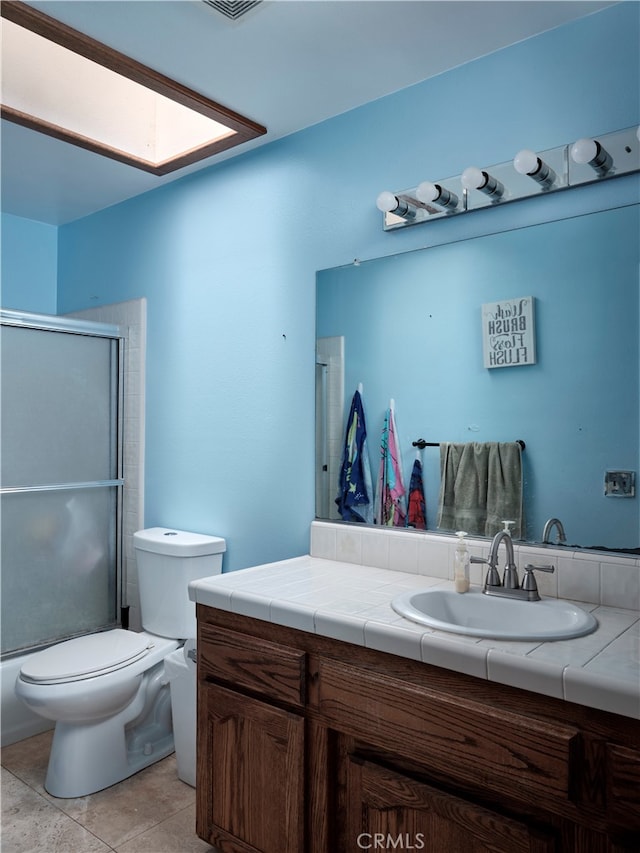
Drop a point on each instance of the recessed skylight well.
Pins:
(60, 82)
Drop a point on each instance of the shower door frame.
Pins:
(88, 328)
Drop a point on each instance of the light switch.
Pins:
(620, 484)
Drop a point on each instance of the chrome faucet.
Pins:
(546, 533)
(510, 578)
(509, 586)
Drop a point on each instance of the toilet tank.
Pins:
(167, 561)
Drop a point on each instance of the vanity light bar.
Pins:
(529, 174)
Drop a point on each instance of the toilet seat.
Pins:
(86, 657)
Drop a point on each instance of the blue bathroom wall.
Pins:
(29, 265)
(227, 259)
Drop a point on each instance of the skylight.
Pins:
(60, 82)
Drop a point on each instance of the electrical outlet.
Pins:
(620, 484)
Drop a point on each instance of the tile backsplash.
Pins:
(581, 575)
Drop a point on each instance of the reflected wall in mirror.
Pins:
(408, 327)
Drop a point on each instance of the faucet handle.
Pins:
(492, 578)
(530, 568)
(529, 581)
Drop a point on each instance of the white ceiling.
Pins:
(286, 64)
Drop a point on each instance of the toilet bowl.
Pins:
(93, 708)
(108, 692)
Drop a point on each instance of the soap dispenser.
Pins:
(461, 564)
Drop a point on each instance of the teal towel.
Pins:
(480, 487)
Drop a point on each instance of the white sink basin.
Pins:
(479, 615)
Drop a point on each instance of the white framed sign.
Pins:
(508, 332)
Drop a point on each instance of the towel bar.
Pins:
(421, 443)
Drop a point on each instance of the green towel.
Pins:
(480, 487)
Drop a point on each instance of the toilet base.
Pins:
(86, 758)
(93, 773)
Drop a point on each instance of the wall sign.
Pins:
(508, 333)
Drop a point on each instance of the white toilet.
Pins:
(108, 692)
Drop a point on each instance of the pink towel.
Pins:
(390, 508)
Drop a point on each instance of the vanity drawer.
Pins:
(267, 669)
(489, 747)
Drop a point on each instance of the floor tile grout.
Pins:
(153, 810)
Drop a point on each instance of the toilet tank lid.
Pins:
(178, 543)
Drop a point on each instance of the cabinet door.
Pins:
(387, 811)
(250, 773)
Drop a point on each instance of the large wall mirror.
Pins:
(409, 327)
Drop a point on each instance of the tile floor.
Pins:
(151, 812)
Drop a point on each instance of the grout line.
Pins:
(53, 801)
(150, 828)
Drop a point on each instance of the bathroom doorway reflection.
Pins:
(329, 422)
(61, 478)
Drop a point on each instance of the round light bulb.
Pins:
(435, 193)
(473, 178)
(584, 151)
(526, 162)
(386, 202)
(427, 192)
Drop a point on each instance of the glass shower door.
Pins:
(61, 483)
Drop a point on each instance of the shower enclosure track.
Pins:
(81, 327)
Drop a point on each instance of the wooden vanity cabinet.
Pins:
(255, 774)
(250, 769)
(382, 803)
(310, 745)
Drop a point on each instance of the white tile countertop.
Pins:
(352, 603)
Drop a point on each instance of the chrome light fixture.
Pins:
(388, 202)
(478, 179)
(529, 174)
(429, 193)
(528, 163)
(591, 152)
